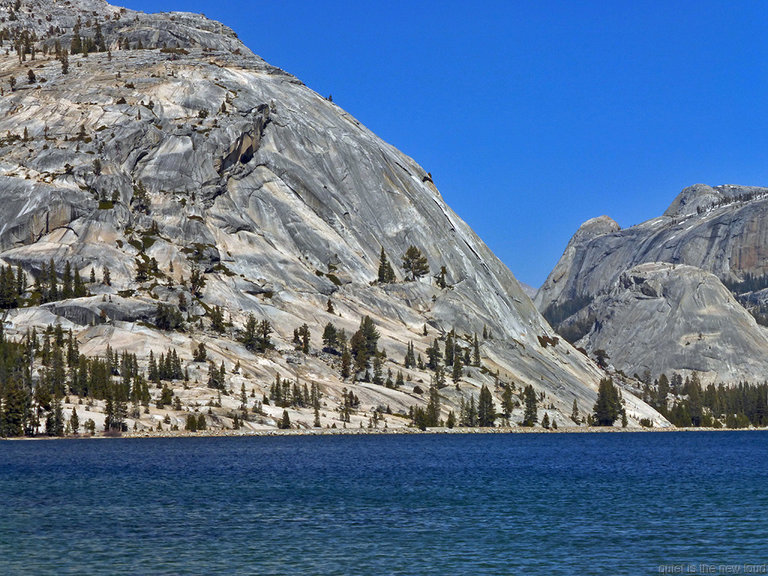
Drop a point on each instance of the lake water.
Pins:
(605, 504)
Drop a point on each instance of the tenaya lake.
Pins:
(634, 503)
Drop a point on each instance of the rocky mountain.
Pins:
(670, 294)
(163, 151)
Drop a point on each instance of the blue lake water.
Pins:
(605, 504)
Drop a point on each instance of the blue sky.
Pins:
(535, 116)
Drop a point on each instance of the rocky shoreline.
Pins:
(381, 432)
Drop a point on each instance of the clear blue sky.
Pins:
(535, 116)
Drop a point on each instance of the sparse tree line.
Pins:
(39, 371)
(87, 37)
(686, 403)
(415, 265)
(49, 285)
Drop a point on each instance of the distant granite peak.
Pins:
(699, 197)
(617, 289)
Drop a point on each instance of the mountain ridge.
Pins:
(178, 152)
(707, 231)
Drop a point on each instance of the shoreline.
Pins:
(375, 432)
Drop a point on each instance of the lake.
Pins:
(609, 504)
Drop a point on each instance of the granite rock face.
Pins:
(193, 153)
(658, 315)
(713, 236)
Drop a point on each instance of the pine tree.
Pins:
(64, 58)
(78, 287)
(410, 357)
(330, 338)
(662, 391)
(263, 340)
(377, 370)
(695, 406)
(217, 320)
(476, 352)
(531, 406)
(316, 423)
(364, 343)
(434, 356)
(608, 406)
(285, 422)
(346, 363)
(433, 407)
(507, 403)
(386, 273)
(415, 263)
(458, 369)
(472, 412)
(486, 413)
(440, 278)
(243, 398)
(450, 348)
(304, 338)
(575, 413)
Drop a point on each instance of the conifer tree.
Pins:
(78, 287)
(458, 369)
(410, 356)
(486, 413)
(364, 343)
(575, 413)
(217, 320)
(346, 363)
(386, 273)
(415, 263)
(303, 338)
(243, 398)
(608, 406)
(285, 422)
(330, 339)
(662, 391)
(530, 416)
(450, 348)
(472, 412)
(507, 403)
(434, 356)
(196, 281)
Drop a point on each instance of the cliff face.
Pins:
(714, 236)
(193, 152)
